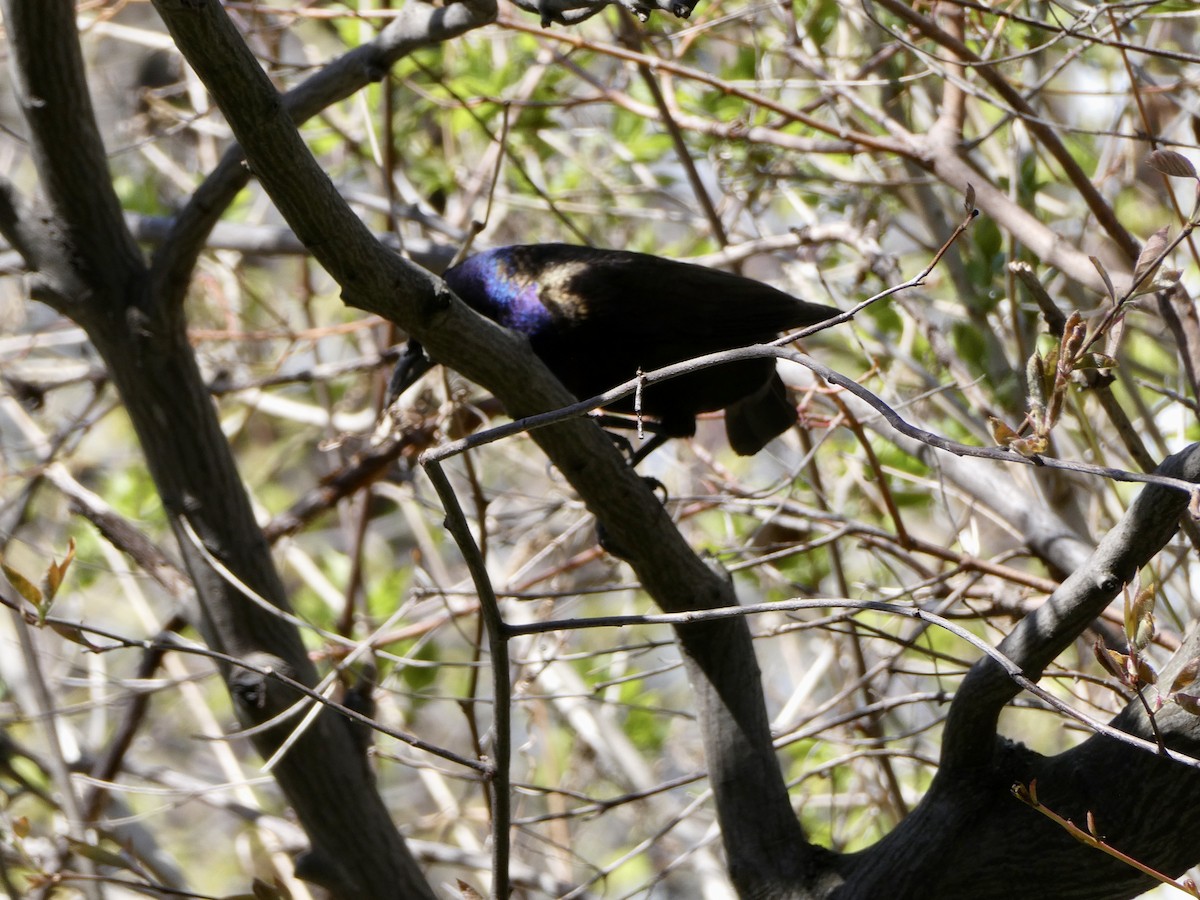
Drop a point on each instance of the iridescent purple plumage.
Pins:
(489, 283)
(598, 317)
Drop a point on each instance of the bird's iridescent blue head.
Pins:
(494, 284)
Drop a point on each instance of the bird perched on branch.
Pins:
(595, 317)
(572, 12)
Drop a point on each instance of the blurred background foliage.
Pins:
(759, 136)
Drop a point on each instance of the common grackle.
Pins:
(596, 316)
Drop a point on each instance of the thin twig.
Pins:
(176, 643)
(498, 632)
(1011, 668)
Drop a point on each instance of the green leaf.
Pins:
(100, 855)
(22, 585)
(1139, 618)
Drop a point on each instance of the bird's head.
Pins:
(498, 284)
(494, 283)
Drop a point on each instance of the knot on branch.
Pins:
(258, 694)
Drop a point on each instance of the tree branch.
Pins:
(418, 25)
(88, 243)
(1151, 520)
(720, 658)
(89, 268)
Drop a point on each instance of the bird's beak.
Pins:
(413, 363)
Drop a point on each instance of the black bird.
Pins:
(596, 316)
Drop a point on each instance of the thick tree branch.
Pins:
(958, 842)
(419, 25)
(85, 243)
(1151, 520)
(745, 775)
(89, 268)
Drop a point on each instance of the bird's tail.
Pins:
(754, 420)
